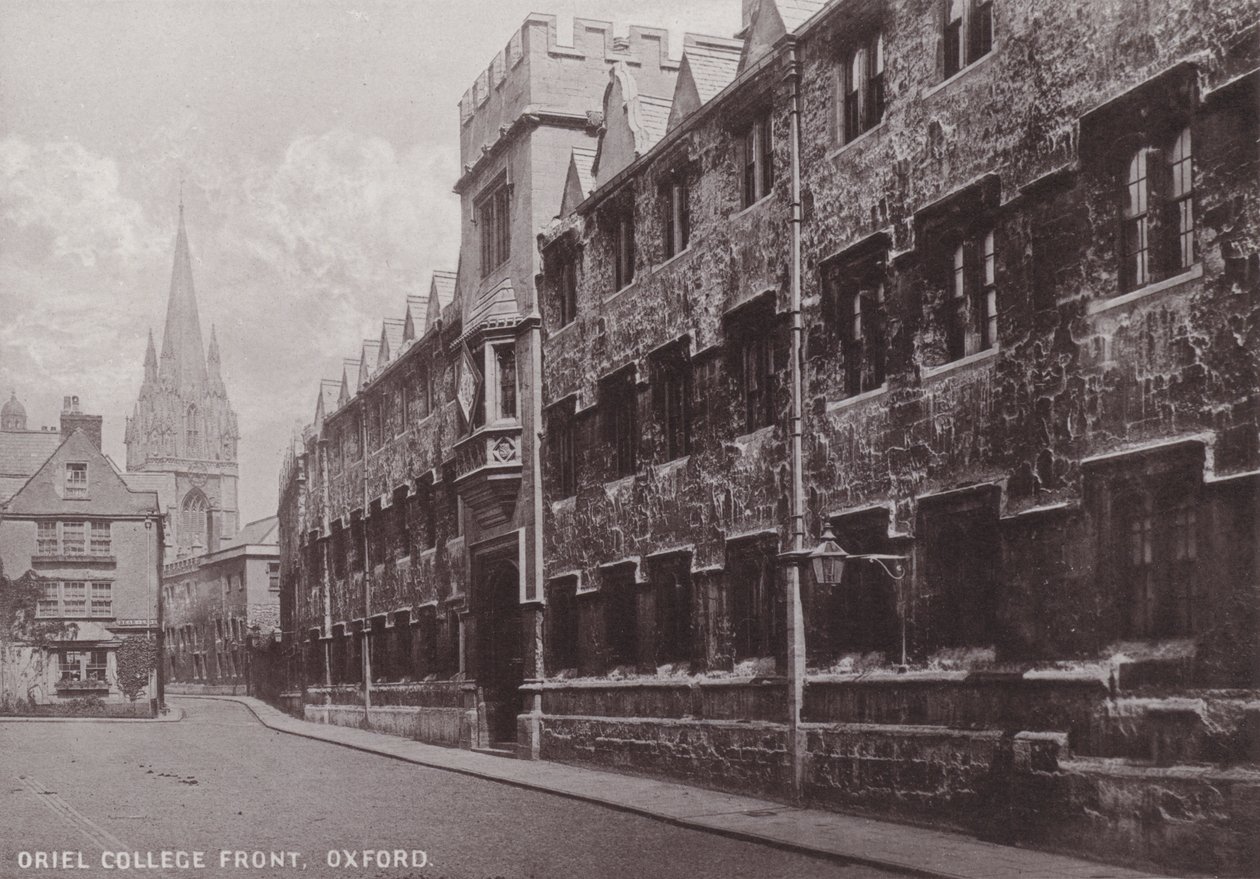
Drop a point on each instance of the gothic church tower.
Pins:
(182, 423)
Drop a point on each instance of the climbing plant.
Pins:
(136, 658)
(24, 636)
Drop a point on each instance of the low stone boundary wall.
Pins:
(436, 726)
(741, 757)
(182, 689)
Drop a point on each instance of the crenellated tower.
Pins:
(183, 424)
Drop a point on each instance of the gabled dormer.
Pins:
(709, 65)
(579, 182)
(368, 357)
(633, 122)
(78, 479)
(413, 320)
(391, 342)
(768, 21)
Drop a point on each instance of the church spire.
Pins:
(183, 358)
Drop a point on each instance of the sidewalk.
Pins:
(915, 850)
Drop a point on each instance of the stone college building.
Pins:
(971, 285)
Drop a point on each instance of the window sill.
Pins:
(974, 65)
(620, 483)
(560, 331)
(857, 399)
(686, 251)
(1194, 273)
(564, 504)
(753, 435)
(931, 372)
(752, 207)
(621, 292)
(872, 133)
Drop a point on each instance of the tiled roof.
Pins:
(796, 12)
(584, 162)
(392, 333)
(107, 493)
(713, 67)
(261, 532)
(444, 284)
(162, 483)
(654, 116)
(22, 452)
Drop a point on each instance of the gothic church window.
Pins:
(192, 519)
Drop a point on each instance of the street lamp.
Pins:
(827, 560)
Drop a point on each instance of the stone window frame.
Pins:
(756, 157)
(855, 283)
(972, 300)
(672, 397)
(1158, 236)
(619, 416)
(561, 623)
(567, 289)
(753, 330)
(619, 592)
(861, 96)
(756, 611)
(562, 440)
(622, 221)
(493, 211)
(676, 202)
(967, 34)
(674, 618)
(938, 518)
(1155, 538)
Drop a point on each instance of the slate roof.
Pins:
(796, 12)
(584, 163)
(444, 285)
(392, 334)
(261, 532)
(713, 67)
(108, 494)
(22, 452)
(654, 116)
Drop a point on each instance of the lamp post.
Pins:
(827, 562)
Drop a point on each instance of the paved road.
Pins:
(220, 781)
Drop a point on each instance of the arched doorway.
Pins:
(500, 659)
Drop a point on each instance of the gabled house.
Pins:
(94, 547)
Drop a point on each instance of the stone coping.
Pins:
(875, 678)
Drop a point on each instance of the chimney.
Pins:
(73, 418)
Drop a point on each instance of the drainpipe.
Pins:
(367, 591)
(795, 610)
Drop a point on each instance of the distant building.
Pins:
(183, 424)
(219, 604)
(92, 545)
(22, 451)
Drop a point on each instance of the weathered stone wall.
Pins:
(1021, 141)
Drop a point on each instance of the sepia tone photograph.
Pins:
(564, 439)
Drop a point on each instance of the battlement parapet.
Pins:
(536, 72)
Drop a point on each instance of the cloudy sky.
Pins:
(318, 143)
